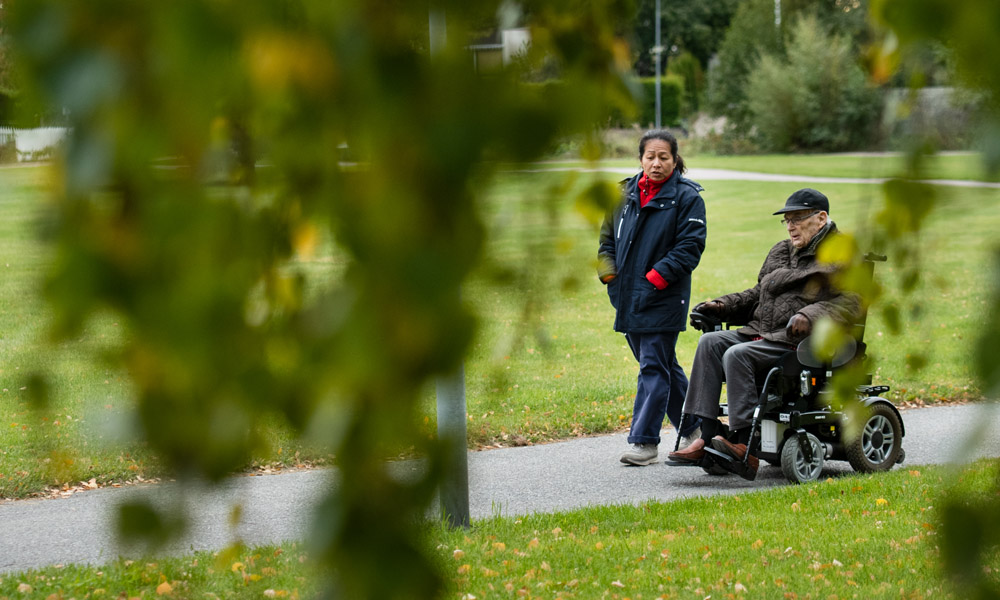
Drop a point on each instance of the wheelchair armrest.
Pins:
(705, 323)
(741, 321)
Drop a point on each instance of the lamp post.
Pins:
(657, 52)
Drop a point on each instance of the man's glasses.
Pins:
(796, 220)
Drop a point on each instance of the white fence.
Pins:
(33, 144)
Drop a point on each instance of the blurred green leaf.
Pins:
(916, 361)
(907, 204)
(828, 339)
(597, 200)
(215, 146)
(987, 359)
(141, 525)
(890, 312)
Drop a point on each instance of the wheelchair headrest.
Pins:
(807, 357)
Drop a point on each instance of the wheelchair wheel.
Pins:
(880, 443)
(793, 460)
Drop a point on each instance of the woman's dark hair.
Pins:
(666, 136)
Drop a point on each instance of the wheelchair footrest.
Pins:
(679, 463)
(730, 464)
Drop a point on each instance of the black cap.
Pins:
(806, 199)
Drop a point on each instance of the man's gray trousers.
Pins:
(738, 360)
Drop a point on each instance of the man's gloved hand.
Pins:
(708, 308)
(798, 326)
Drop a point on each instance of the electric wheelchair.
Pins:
(795, 424)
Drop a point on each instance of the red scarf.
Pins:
(649, 189)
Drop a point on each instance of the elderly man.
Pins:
(794, 291)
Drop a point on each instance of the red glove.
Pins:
(656, 279)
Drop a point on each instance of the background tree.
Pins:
(690, 33)
(817, 98)
(694, 27)
(196, 261)
(752, 34)
(6, 70)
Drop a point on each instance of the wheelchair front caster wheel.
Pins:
(794, 464)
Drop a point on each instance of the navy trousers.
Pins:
(661, 387)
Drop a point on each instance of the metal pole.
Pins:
(451, 431)
(454, 491)
(657, 51)
(438, 31)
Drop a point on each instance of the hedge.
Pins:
(671, 92)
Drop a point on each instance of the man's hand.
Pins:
(798, 326)
(708, 308)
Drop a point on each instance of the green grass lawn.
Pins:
(545, 364)
(870, 536)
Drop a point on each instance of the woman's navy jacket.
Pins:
(668, 235)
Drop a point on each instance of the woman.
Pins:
(650, 245)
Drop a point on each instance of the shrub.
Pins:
(687, 67)
(8, 151)
(644, 90)
(751, 35)
(816, 98)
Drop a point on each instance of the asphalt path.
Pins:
(505, 482)
(708, 174)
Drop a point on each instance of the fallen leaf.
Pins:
(164, 589)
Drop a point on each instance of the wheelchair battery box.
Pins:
(771, 434)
